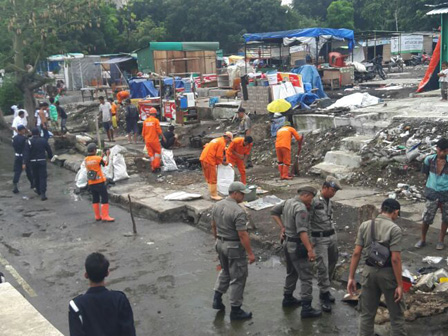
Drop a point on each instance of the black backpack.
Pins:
(379, 255)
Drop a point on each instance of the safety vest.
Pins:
(93, 163)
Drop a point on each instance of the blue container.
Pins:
(183, 103)
(307, 87)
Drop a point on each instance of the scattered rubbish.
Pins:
(182, 196)
(426, 270)
(426, 283)
(150, 243)
(261, 191)
(264, 203)
(352, 299)
(25, 198)
(432, 260)
(169, 164)
(441, 274)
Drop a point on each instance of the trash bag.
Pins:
(119, 168)
(168, 160)
(81, 176)
(226, 176)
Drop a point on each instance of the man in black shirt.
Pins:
(35, 157)
(63, 116)
(19, 142)
(131, 116)
(100, 311)
(171, 139)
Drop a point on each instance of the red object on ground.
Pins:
(407, 284)
(337, 60)
(432, 66)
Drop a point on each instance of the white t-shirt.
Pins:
(105, 110)
(444, 79)
(36, 115)
(17, 121)
(16, 112)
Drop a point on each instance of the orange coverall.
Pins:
(237, 145)
(122, 95)
(283, 148)
(211, 156)
(151, 132)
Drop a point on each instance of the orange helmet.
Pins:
(152, 110)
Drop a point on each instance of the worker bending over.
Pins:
(238, 152)
(212, 156)
(283, 148)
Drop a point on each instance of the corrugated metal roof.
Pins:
(438, 11)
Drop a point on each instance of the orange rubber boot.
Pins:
(286, 173)
(280, 169)
(96, 210)
(105, 213)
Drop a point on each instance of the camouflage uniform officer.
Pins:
(323, 237)
(293, 218)
(375, 281)
(232, 242)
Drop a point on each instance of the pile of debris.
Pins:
(397, 153)
(405, 191)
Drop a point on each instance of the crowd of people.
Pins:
(306, 225)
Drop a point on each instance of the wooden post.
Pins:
(134, 227)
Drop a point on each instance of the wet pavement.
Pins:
(167, 270)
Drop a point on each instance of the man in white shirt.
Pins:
(443, 79)
(19, 120)
(106, 115)
(19, 108)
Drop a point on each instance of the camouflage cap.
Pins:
(309, 189)
(333, 182)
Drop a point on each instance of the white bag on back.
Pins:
(226, 176)
(81, 176)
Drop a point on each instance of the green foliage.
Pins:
(340, 14)
(9, 95)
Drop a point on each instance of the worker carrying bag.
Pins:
(379, 255)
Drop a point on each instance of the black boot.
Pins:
(308, 311)
(290, 301)
(43, 197)
(325, 302)
(238, 314)
(15, 190)
(217, 301)
(332, 299)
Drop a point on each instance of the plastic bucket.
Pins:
(252, 196)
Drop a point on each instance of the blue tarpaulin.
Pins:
(169, 82)
(142, 88)
(277, 37)
(304, 99)
(311, 75)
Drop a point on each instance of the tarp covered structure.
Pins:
(431, 81)
(142, 88)
(280, 36)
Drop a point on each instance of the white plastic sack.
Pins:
(182, 196)
(355, 100)
(119, 168)
(226, 176)
(169, 164)
(81, 176)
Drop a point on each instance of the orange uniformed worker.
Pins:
(212, 156)
(238, 152)
(97, 183)
(283, 148)
(151, 132)
(122, 96)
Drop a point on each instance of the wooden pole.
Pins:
(98, 132)
(134, 227)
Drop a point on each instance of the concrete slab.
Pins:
(19, 318)
(343, 158)
(324, 169)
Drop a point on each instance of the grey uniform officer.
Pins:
(232, 243)
(323, 238)
(376, 281)
(293, 218)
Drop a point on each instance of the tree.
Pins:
(340, 14)
(32, 26)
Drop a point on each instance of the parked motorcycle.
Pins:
(362, 71)
(396, 62)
